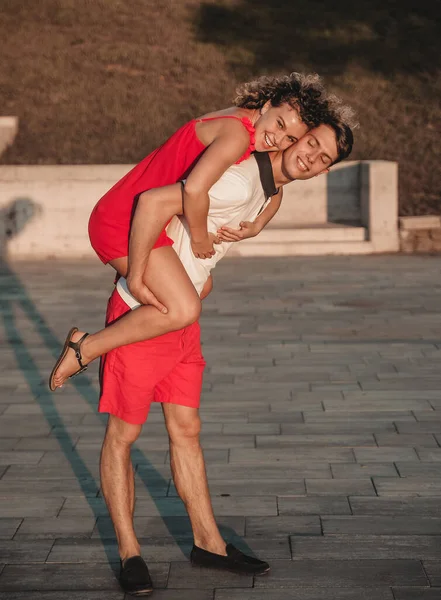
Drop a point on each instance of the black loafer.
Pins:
(134, 577)
(235, 561)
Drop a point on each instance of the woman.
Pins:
(270, 114)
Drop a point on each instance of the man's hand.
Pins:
(142, 293)
(204, 248)
(246, 230)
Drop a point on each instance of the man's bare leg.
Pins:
(189, 475)
(118, 482)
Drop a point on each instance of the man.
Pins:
(169, 368)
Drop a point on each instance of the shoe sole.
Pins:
(264, 572)
(60, 359)
(145, 592)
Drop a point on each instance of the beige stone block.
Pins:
(423, 244)
(407, 245)
(379, 204)
(435, 234)
(422, 222)
(421, 234)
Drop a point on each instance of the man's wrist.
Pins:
(133, 276)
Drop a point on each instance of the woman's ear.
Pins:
(265, 107)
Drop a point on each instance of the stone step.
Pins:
(306, 241)
(317, 233)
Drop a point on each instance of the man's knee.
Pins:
(121, 433)
(183, 424)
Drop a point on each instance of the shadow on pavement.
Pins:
(15, 294)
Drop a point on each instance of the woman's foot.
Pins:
(72, 360)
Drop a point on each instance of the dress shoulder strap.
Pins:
(248, 126)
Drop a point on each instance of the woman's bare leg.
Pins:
(168, 280)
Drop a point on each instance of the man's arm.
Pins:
(251, 229)
(270, 211)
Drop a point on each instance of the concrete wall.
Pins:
(45, 209)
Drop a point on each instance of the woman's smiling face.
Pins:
(278, 127)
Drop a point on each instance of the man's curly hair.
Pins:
(303, 92)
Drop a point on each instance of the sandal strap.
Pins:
(76, 347)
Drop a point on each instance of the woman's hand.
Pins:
(204, 248)
(143, 294)
(247, 229)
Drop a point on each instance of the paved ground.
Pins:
(322, 412)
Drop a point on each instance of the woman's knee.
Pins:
(185, 312)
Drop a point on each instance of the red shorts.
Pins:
(167, 368)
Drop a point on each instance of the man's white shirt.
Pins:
(237, 196)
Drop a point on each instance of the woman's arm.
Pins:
(229, 144)
(251, 229)
(154, 209)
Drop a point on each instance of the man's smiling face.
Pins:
(313, 154)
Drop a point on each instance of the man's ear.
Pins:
(322, 172)
(265, 107)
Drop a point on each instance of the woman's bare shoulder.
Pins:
(214, 124)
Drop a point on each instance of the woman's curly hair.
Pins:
(303, 92)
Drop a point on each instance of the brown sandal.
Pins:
(76, 346)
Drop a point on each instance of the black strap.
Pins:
(266, 173)
(76, 347)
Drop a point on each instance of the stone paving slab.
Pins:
(361, 471)
(282, 526)
(396, 525)
(184, 576)
(423, 486)
(54, 527)
(25, 506)
(254, 487)
(58, 576)
(8, 527)
(344, 573)
(15, 551)
(319, 505)
(338, 487)
(322, 435)
(67, 595)
(401, 505)
(352, 547)
(306, 593)
(164, 527)
(417, 593)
